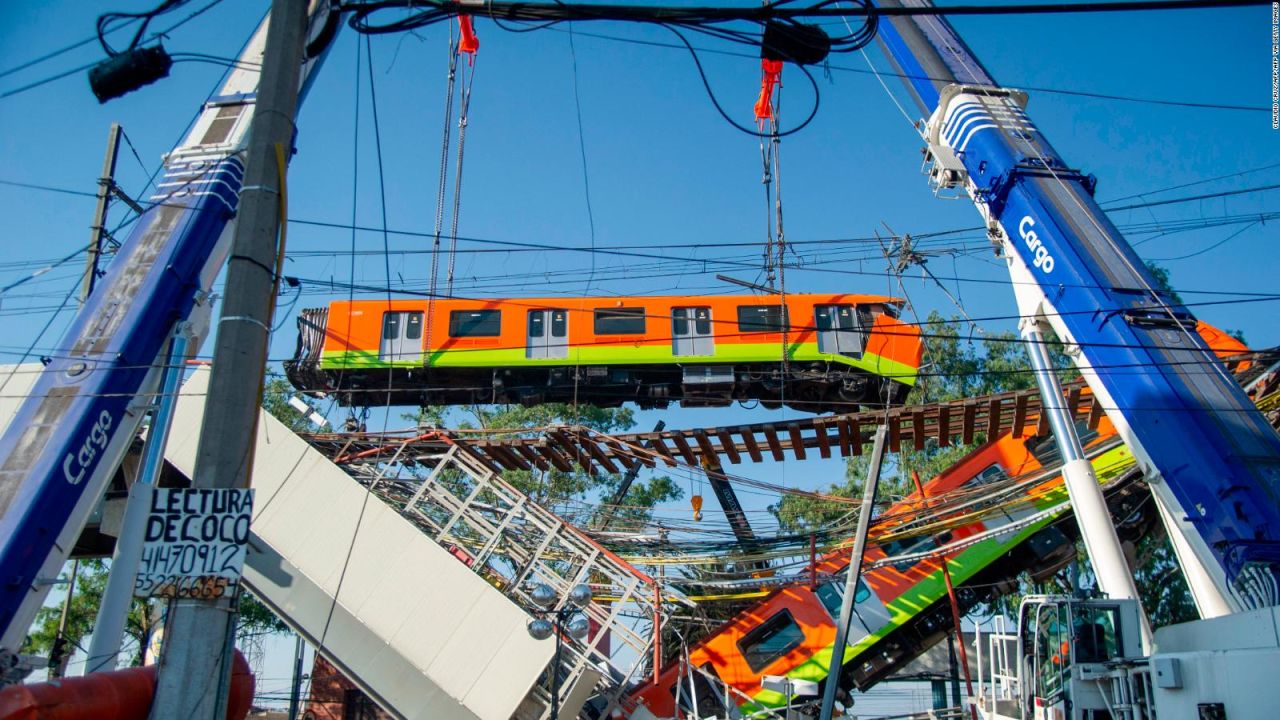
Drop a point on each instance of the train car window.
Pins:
(680, 321)
(762, 318)
(831, 594)
(702, 321)
(710, 698)
(908, 546)
(559, 323)
(475, 323)
(1045, 449)
(619, 321)
(992, 473)
(774, 638)
(413, 329)
(390, 325)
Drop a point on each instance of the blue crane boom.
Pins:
(1212, 459)
(69, 435)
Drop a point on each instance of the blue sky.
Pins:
(666, 174)
(664, 169)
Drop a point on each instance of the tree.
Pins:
(140, 625)
(90, 581)
(276, 392)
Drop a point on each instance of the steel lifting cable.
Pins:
(440, 189)
(780, 241)
(464, 104)
(766, 180)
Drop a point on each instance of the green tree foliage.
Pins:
(90, 581)
(141, 623)
(276, 392)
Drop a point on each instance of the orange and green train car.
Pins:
(901, 609)
(840, 351)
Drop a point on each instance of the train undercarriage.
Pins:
(810, 387)
(1041, 556)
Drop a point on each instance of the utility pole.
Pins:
(106, 181)
(851, 575)
(60, 655)
(295, 690)
(99, 228)
(195, 667)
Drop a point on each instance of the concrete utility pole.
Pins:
(852, 574)
(99, 228)
(195, 666)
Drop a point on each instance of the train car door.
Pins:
(839, 332)
(691, 331)
(401, 337)
(548, 334)
(869, 612)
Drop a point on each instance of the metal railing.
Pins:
(516, 545)
(999, 687)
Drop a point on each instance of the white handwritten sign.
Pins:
(195, 543)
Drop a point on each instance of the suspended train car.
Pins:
(841, 351)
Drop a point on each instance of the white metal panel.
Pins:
(491, 681)
(469, 650)
(405, 603)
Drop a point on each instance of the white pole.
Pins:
(113, 613)
(851, 576)
(1087, 501)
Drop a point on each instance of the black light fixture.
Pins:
(128, 71)
(794, 42)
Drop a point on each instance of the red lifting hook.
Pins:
(771, 75)
(469, 43)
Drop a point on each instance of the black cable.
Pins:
(582, 152)
(47, 56)
(1193, 183)
(908, 76)
(106, 19)
(82, 68)
(214, 60)
(1194, 198)
(559, 11)
(382, 184)
(48, 188)
(92, 38)
(817, 96)
(46, 81)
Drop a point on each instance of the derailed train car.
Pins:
(901, 608)
(812, 352)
